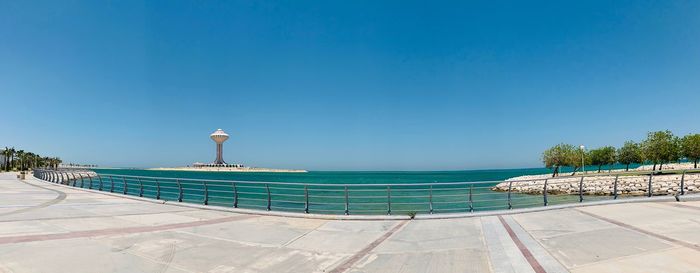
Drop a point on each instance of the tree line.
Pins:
(658, 148)
(13, 159)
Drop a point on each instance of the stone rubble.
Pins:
(666, 184)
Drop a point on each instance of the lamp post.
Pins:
(583, 162)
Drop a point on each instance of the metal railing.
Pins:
(405, 198)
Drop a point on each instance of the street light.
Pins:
(583, 163)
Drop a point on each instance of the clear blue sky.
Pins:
(343, 85)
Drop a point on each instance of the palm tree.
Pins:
(54, 162)
(5, 158)
(45, 162)
(20, 158)
(11, 157)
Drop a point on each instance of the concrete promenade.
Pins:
(52, 228)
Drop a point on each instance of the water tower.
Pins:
(219, 136)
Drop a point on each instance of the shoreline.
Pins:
(603, 183)
(228, 169)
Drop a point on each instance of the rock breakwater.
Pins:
(667, 184)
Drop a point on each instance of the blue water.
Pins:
(330, 199)
(342, 177)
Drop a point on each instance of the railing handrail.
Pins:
(336, 198)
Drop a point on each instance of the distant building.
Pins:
(219, 137)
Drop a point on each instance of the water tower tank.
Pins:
(219, 136)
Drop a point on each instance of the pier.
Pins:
(40, 221)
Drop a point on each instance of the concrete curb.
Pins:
(682, 198)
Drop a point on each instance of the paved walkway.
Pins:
(50, 228)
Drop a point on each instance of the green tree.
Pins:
(21, 156)
(661, 147)
(5, 158)
(630, 153)
(11, 159)
(690, 148)
(556, 157)
(45, 162)
(577, 159)
(603, 156)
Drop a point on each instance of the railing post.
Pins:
(140, 187)
(651, 175)
(157, 190)
(682, 183)
(74, 179)
(100, 178)
(90, 177)
(347, 205)
(306, 199)
(111, 184)
(62, 179)
(580, 189)
(82, 180)
(430, 199)
(206, 194)
(269, 197)
(179, 190)
(126, 185)
(615, 187)
(471, 200)
(388, 200)
(510, 189)
(544, 193)
(235, 195)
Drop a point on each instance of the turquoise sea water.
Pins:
(331, 199)
(342, 177)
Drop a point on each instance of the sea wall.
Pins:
(668, 184)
